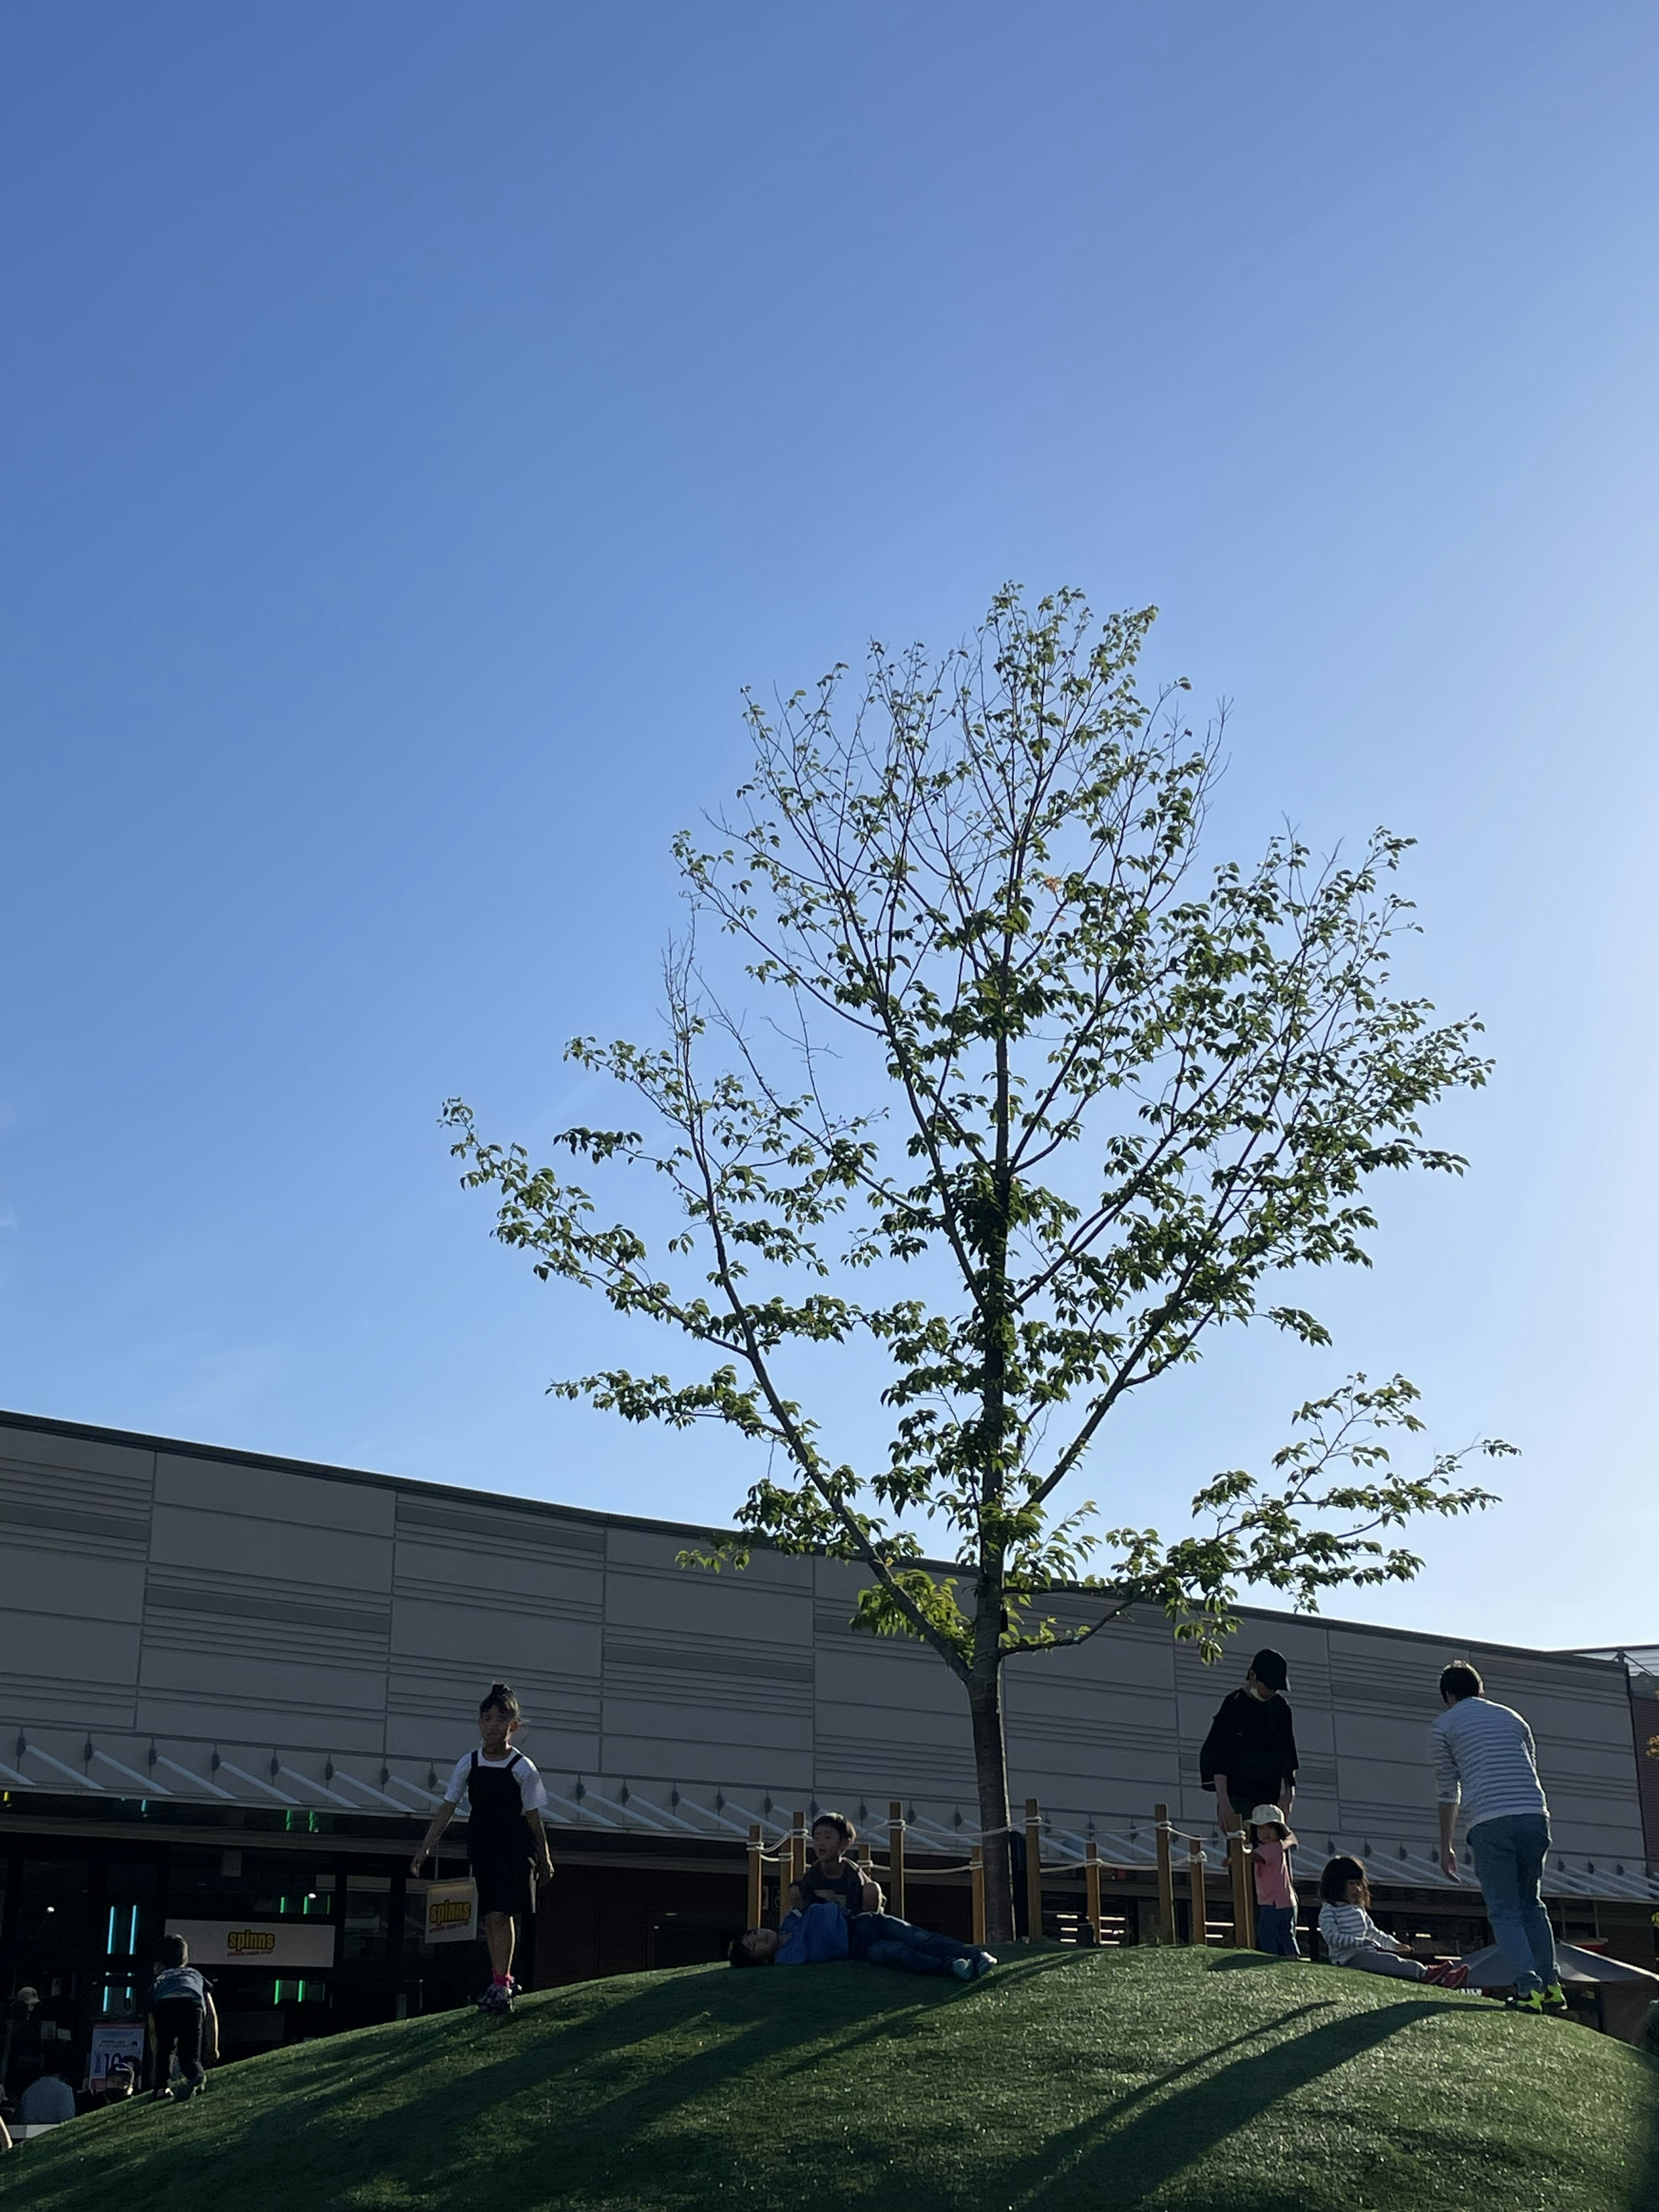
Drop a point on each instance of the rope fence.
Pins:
(789, 1862)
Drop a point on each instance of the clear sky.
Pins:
(418, 421)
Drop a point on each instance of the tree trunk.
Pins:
(991, 1773)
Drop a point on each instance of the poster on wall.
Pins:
(276, 1943)
(114, 2040)
(451, 1913)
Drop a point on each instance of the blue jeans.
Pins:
(882, 1941)
(1509, 1857)
(1275, 1931)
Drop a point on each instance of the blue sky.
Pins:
(419, 421)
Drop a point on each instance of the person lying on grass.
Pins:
(1353, 1939)
(832, 1878)
(824, 1932)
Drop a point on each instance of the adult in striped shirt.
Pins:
(1485, 1761)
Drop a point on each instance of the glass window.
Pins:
(216, 1884)
(54, 1901)
(368, 1926)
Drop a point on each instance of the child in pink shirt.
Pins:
(1272, 1844)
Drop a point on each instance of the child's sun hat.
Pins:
(1271, 1816)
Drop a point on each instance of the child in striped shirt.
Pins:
(1352, 1938)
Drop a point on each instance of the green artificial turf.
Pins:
(1200, 2080)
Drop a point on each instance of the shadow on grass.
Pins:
(1109, 2162)
(440, 2115)
(1232, 1962)
(1646, 2197)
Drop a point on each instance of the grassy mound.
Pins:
(1139, 2078)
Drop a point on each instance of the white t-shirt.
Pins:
(532, 1792)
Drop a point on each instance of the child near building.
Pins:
(1275, 1893)
(181, 2019)
(832, 1878)
(823, 1933)
(504, 1834)
(1353, 1939)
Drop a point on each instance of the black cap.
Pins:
(1270, 1670)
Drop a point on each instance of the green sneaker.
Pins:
(1532, 2002)
(1555, 1998)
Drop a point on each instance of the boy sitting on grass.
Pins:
(832, 1878)
(824, 1932)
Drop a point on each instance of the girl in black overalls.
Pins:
(504, 1834)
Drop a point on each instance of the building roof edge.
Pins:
(183, 1448)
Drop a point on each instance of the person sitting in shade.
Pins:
(48, 2100)
(823, 1933)
(118, 2081)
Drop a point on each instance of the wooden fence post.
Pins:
(976, 1875)
(1197, 1931)
(1033, 1870)
(798, 1847)
(757, 1876)
(1166, 1916)
(1243, 1893)
(1092, 1887)
(895, 1858)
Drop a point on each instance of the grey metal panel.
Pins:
(266, 1604)
(237, 1699)
(901, 1684)
(547, 1583)
(43, 1577)
(98, 1512)
(299, 1551)
(734, 1762)
(334, 1611)
(1402, 1737)
(885, 1764)
(64, 1658)
(468, 1532)
(666, 1596)
(478, 1645)
(79, 1455)
(298, 1500)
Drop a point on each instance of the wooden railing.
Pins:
(790, 1860)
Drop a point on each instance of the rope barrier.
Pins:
(788, 1861)
(781, 1859)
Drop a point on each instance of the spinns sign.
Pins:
(257, 1943)
(451, 1913)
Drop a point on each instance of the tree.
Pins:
(1093, 1107)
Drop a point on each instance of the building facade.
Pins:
(231, 1688)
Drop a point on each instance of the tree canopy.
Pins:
(1042, 1107)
